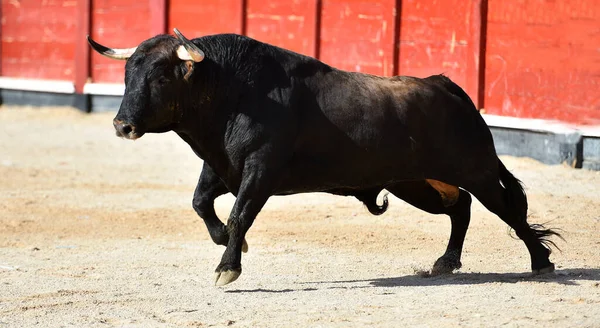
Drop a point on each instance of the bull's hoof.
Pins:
(445, 265)
(226, 277)
(245, 246)
(548, 269)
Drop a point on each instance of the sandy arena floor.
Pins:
(96, 231)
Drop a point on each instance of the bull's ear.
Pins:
(188, 51)
(183, 54)
(189, 66)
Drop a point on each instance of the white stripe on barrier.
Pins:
(540, 125)
(56, 86)
(104, 89)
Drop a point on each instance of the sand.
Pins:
(96, 231)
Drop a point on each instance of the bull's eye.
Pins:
(163, 80)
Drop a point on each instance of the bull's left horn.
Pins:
(122, 54)
(192, 52)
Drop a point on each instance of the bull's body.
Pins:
(327, 128)
(268, 121)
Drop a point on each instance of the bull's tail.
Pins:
(514, 192)
(517, 202)
(369, 198)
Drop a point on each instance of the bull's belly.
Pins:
(311, 177)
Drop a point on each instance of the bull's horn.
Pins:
(189, 51)
(110, 52)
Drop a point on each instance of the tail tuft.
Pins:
(543, 235)
(517, 201)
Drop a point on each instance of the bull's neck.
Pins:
(203, 127)
(214, 100)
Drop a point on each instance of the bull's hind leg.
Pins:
(509, 202)
(424, 196)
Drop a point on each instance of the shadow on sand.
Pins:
(568, 277)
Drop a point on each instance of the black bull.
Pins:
(267, 121)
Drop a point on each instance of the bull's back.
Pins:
(349, 136)
(358, 130)
(412, 125)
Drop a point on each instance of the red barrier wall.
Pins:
(535, 58)
(121, 24)
(434, 37)
(285, 23)
(358, 35)
(37, 39)
(197, 18)
(543, 59)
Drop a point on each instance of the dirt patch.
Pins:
(99, 231)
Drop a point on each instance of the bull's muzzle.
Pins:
(125, 130)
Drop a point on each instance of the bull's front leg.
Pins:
(209, 187)
(254, 190)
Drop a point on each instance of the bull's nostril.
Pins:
(126, 129)
(123, 129)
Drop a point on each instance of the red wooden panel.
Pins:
(82, 49)
(38, 39)
(475, 61)
(358, 35)
(543, 60)
(288, 24)
(118, 24)
(158, 16)
(198, 18)
(434, 38)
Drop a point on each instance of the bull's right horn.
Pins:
(122, 54)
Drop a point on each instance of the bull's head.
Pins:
(156, 73)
